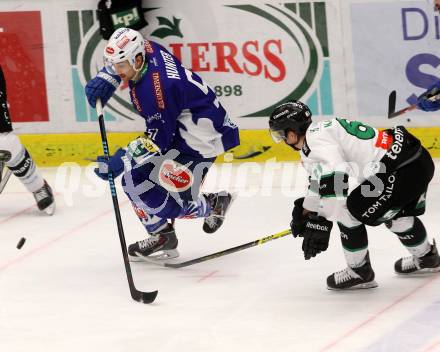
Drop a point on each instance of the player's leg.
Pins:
(5, 127)
(412, 234)
(406, 224)
(402, 200)
(161, 241)
(359, 273)
(23, 167)
(18, 159)
(211, 206)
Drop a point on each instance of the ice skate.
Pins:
(160, 246)
(353, 278)
(45, 200)
(429, 263)
(220, 203)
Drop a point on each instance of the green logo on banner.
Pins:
(125, 18)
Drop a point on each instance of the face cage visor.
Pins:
(278, 135)
(110, 66)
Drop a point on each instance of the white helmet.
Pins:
(124, 44)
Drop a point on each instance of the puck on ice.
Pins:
(21, 242)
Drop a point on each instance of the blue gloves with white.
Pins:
(102, 86)
(423, 102)
(114, 164)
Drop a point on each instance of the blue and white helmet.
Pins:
(124, 44)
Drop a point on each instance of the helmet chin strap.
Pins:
(140, 71)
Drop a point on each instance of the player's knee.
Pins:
(358, 208)
(401, 224)
(10, 143)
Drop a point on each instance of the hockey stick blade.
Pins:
(221, 253)
(144, 297)
(139, 296)
(392, 103)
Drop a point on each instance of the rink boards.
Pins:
(256, 146)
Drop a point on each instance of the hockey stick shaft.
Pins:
(226, 251)
(4, 179)
(145, 297)
(391, 108)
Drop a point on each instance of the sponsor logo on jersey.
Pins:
(382, 199)
(123, 42)
(151, 118)
(110, 50)
(384, 140)
(158, 91)
(154, 61)
(148, 48)
(139, 212)
(135, 99)
(396, 147)
(227, 122)
(175, 177)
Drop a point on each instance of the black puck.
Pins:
(21, 242)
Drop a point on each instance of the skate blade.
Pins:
(158, 256)
(50, 210)
(371, 284)
(421, 272)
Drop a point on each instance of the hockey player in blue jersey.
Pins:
(186, 129)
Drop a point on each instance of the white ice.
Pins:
(66, 289)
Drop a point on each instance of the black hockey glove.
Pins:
(316, 235)
(298, 219)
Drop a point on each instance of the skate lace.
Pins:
(410, 262)
(212, 220)
(345, 275)
(41, 194)
(148, 242)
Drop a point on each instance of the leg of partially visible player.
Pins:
(23, 167)
(17, 159)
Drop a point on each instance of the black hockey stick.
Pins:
(222, 253)
(392, 105)
(144, 297)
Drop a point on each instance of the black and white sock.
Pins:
(21, 163)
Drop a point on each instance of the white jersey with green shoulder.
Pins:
(333, 150)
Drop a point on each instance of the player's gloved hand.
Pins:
(316, 235)
(423, 102)
(114, 164)
(102, 86)
(298, 219)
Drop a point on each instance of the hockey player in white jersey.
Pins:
(392, 170)
(15, 159)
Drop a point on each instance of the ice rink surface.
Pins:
(66, 289)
